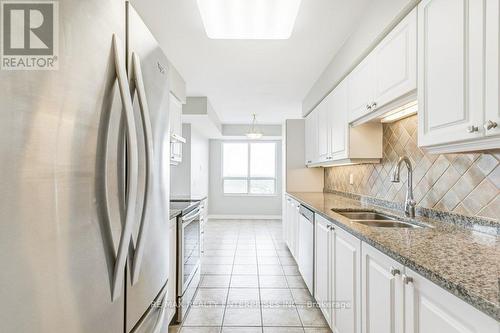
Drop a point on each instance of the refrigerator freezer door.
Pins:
(154, 258)
(57, 249)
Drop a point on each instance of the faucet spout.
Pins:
(395, 178)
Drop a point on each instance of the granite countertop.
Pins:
(461, 260)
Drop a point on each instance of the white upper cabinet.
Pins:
(311, 137)
(361, 92)
(387, 77)
(323, 130)
(458, 75)
(395, 62)
(491, 123)
(330, 140)
(429, 308)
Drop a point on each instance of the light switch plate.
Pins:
(351, 179)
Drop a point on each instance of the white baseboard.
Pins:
(245, 217)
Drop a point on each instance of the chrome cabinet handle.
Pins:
(137, 84)
(472, 129)
(368, 107)
(490, 125)
(407, 279)
(395, 271)
(374, 105)
(133, 166)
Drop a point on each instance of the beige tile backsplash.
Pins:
(467, 184)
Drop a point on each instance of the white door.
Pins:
(382, 289)
(396, 62)
(360, 89)
(450, 70)
(347, 285)
(492, 96)
(339, 127)
(323, 127)
(322, 274)
(430, 308)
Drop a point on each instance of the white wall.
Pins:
(379, 18)
(229, 205)
(190, 177)
(199, 164)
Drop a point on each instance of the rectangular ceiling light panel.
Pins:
(249, 19)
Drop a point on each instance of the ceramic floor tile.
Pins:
(281, 316)
(283, 330)
(317, 330)
(245, 270)
(242, 329)
(270, 297)
(270, 270)
(244, 281)
(216, 269)
(210, 296)
(200, 330)
(239, 260)
(269, 281)
(291, 270)
(295, 281)
(204, 316)
(269, 261)
(243, 297)
(302, 296)
(242, 316)
(311, 316)
(215, 281)
(216, 260)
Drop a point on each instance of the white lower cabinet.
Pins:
(429, 308)
(323, 278)
(382, 300)
(346, 257)
(337, 287)
(360, 289)
(291, 224)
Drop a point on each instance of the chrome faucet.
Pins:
(410, 201)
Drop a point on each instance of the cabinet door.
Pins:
(323, 127)
(284, 219)
(430, 308)
(309, 142)
(381, 292)
(450, 70)
(339, 127)
(322, 273)
(360, 89)
(346, 262)
(396, 62)
(492, 96)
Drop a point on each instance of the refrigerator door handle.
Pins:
(159, 302)
(133, 166)
(137, 84)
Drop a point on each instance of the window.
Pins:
(249, 168)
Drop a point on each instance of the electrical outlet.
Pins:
(351, 179)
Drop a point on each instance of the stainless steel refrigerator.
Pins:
(84, 179)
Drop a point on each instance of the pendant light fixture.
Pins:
(253, 132)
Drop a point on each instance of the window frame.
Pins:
(248, 178)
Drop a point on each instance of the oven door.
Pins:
(188, 249)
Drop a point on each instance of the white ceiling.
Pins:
(241, 77)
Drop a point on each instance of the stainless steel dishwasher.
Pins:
(306, 247)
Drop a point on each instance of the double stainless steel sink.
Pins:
(375, 219)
